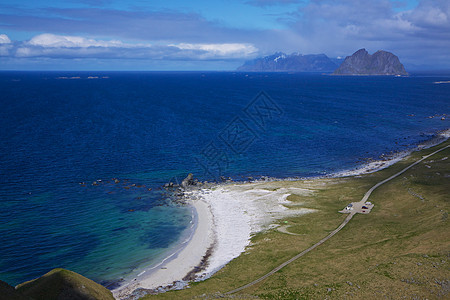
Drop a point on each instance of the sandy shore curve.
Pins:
(176, 267)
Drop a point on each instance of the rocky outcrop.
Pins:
(281, 62)
(362, 63)
(189, 180)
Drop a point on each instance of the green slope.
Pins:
(63, 284)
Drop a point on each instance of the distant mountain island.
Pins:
(362, 63)
(295, 62)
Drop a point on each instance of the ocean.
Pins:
(84, 155)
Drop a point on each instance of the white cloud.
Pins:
(5, 45)
(220, 50)
(435, 16)
(62, 46)
(428, 14)
(64, 41)
(4, 39)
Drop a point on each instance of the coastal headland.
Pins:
(368, 236)
(401, 248)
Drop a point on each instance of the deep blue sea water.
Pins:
(59, 135)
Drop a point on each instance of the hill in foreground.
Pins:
(8, 292)
(362, 63)
(63, 284)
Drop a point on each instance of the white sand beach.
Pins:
(239, 211)
(175, 268)
(227, 217)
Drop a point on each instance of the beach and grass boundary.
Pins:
(400, 248)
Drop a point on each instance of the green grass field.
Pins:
(400, 250)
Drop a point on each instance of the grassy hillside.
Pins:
(63, 284)
(401, 249)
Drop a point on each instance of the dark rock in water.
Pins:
(295, 62)
(189, 180)
(60, 284)
(362, 63)
(170, 185)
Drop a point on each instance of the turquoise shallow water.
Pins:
(146, 129)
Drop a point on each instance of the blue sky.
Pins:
(215, 34)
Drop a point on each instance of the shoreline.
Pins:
(377, 165)
(170, 273)
(227, 215)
